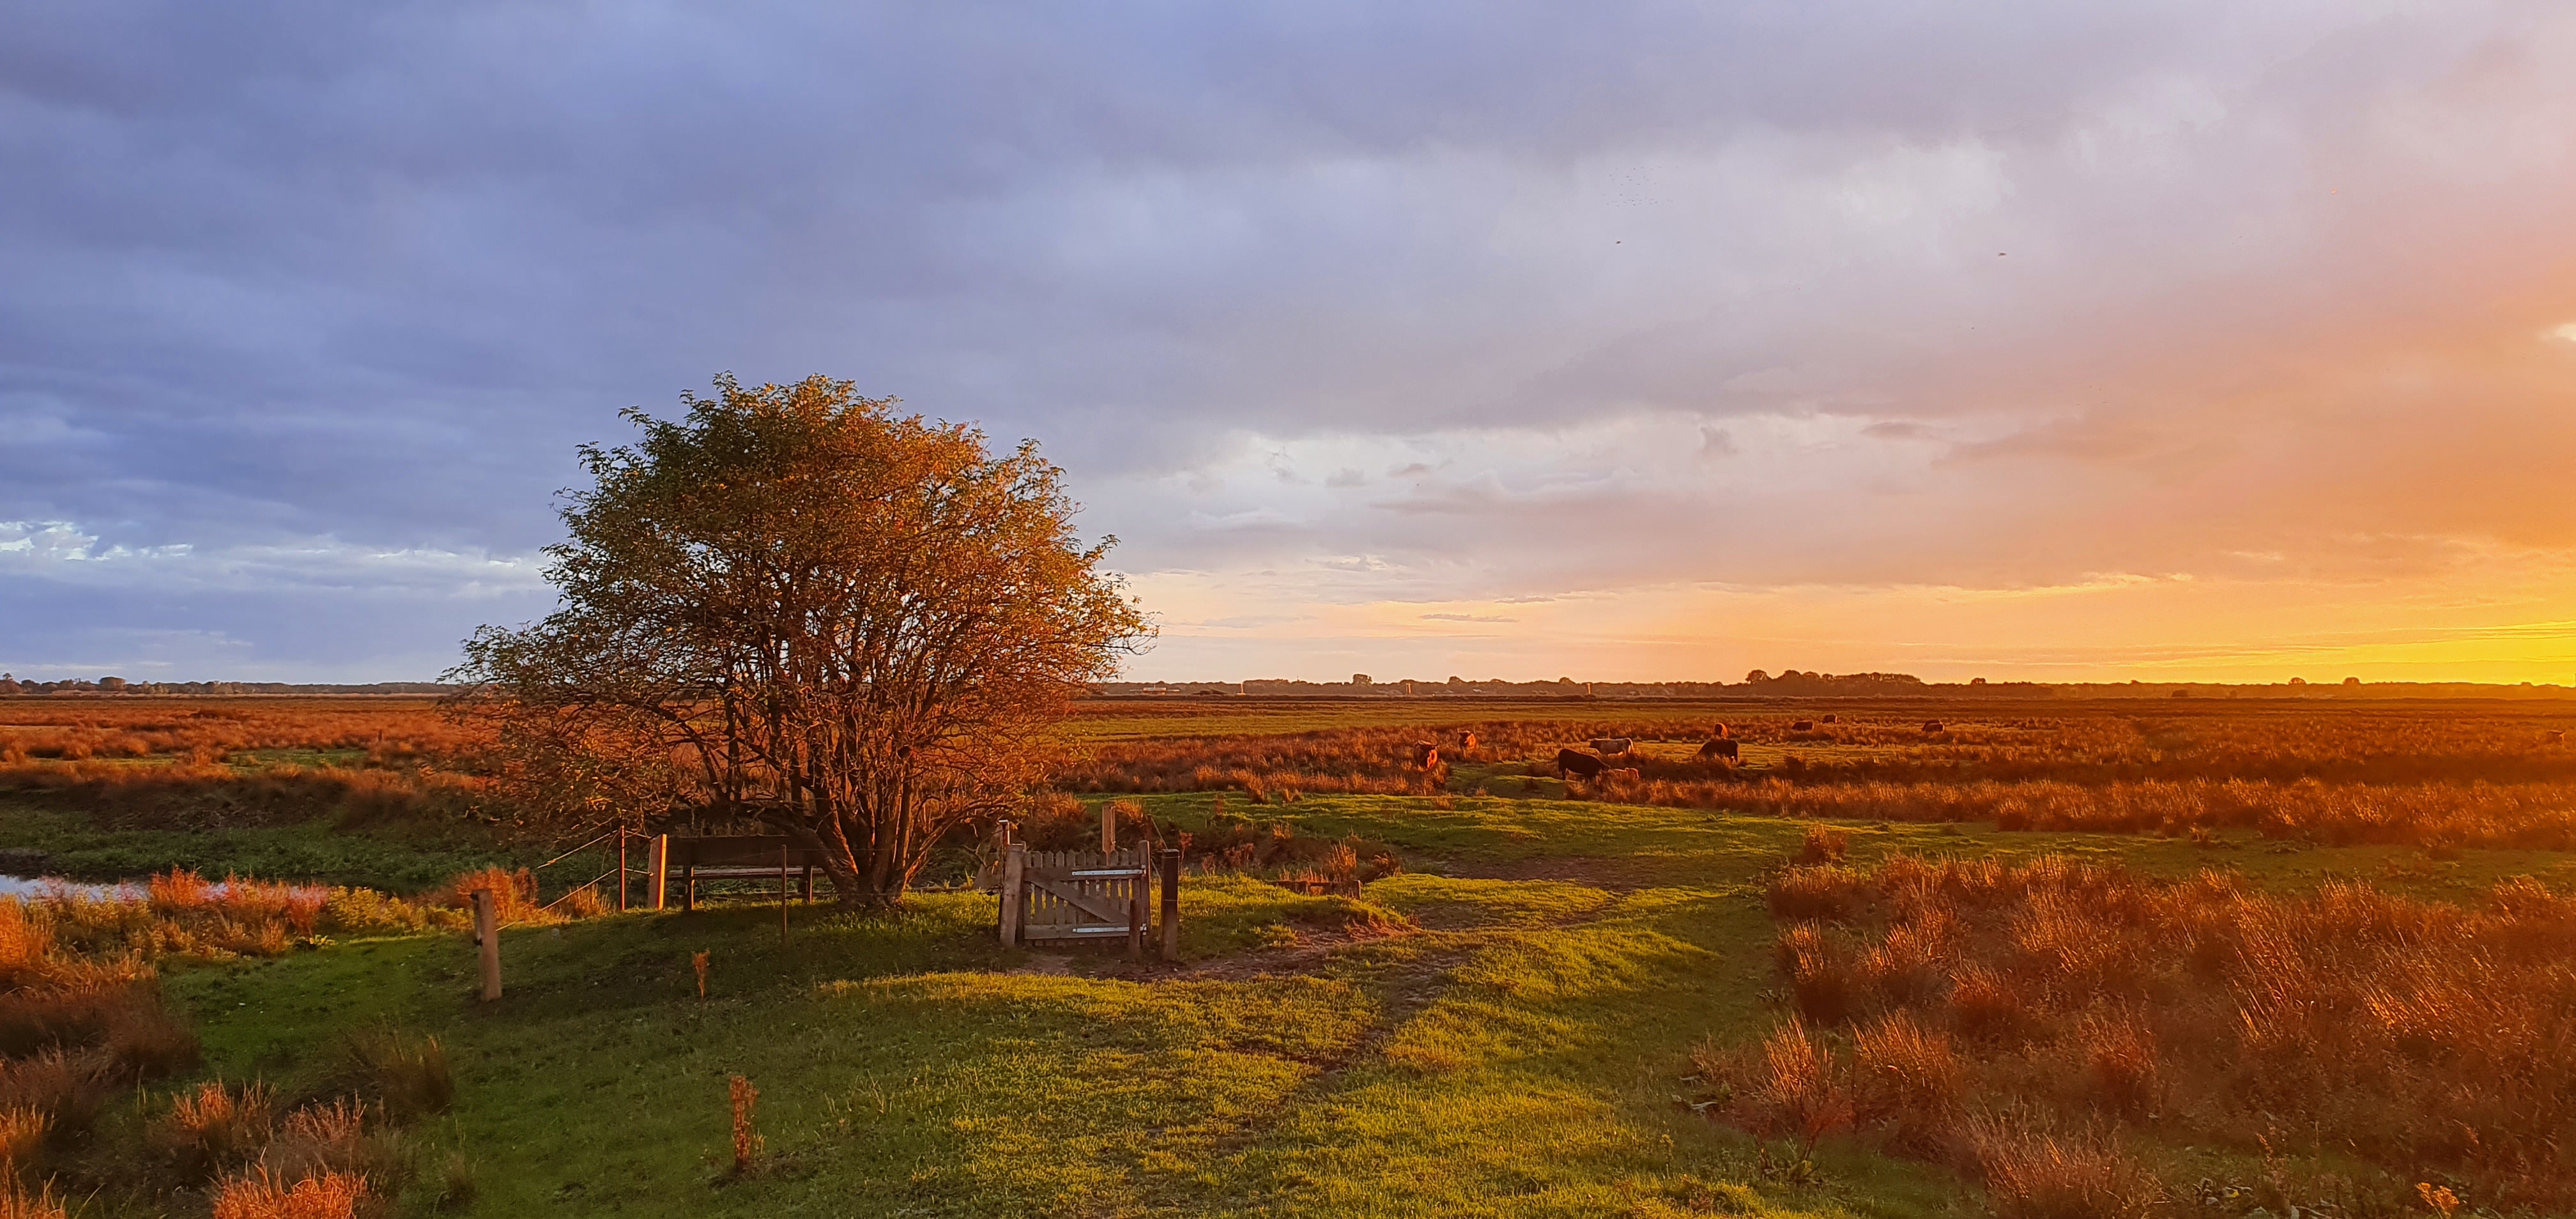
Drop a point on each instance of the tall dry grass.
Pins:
(2016, 1018)
(82, 1024)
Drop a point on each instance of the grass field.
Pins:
(1529, 1018)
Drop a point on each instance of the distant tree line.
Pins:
(10, 685)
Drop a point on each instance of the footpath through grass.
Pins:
(1503, 1030)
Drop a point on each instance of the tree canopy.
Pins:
(801, 607)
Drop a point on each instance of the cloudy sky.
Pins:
(2198, 339)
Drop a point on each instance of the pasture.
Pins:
(1682, 992)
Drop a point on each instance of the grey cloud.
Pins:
(357, 279)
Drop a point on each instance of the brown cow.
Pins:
(1425, 755)
(1571, 763)
(1720, 748)
(1802, 725)
(1931, 726)
(1466, 740)
(1831, 719)
(2555, 737)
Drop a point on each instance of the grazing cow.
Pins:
(1425, 755)
(1610, 746)
(1574, 763)
(1931, 726)
(1831, 719)
(1720, 731)
(2556, 737)
(1466, 740)
(1720, 748)
(1802, 725)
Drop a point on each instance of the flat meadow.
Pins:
(2029, 958)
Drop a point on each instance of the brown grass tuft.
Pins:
(214, 1129)
(2029, 1175)
(260, 1194)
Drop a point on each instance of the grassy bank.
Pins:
(1506, 1028)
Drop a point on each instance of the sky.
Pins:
(2203, 340)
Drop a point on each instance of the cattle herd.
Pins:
(1606, 752)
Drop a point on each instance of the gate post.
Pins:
(1014, 866)
(657, 857)
(1171, 904)
(1140, 915)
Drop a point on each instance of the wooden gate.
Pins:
(1086, 895)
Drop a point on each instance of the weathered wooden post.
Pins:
(1171, 904)
(621, 869)
(782, 895)
(1108, 828)
(1140, 913)
(1015, 864)
(487, 938)
(657, 857)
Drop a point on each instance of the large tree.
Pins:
(801, 607)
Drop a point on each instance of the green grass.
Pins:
(1502, 1031)
(393, 858)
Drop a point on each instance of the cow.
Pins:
(1830, 719)
(2555, 737)
(1425, 755)
(1573, 763)
(1931, 726)
(1466, 740)
(1802, 725)
(1720, 748)
(1610, 746)
(1720, 731)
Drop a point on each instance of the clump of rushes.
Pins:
(260, 1194)
(698, 962)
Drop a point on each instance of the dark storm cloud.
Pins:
(305, 306)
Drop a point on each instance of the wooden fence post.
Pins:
(1140, 915)
(487, 937)
(1171, 904)
(657, 858)
(782, 894)
(1108, 828)
(1014, 865)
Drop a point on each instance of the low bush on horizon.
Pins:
(2056, 1027)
